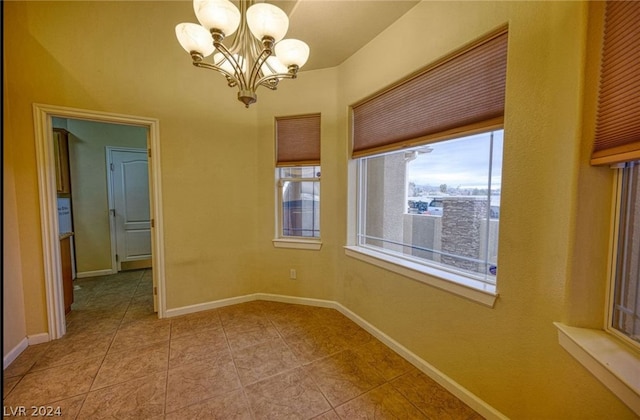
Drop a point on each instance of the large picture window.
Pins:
(429, 161)
(437, 205)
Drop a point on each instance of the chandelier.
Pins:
(249, 62)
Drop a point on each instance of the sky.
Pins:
(461, 162)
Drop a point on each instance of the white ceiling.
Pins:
(335, 29)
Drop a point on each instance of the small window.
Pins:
(299, 201)
(298, 181)
(436, 205)
(625, 313)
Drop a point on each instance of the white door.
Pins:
(130, 191)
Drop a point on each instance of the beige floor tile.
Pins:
(124, 366)
(91, 312)
(72, 348)
(141, 334)
(229, 406)
(139, 312)
(243, 315)
(263, 360)
(195, 382)
(384, 360)
(193, 323)
(68, 408)
(54, 384)
(349, 333)
(87, 324)
(26, 360)
(143, 296)
(291, 394)
(8, 384)
(296, 322)
(432, 399)
(329, 415)
(344, 376)
(137, 399)
(241, 336)
(197, 347)
(383, 402)
(315, 344)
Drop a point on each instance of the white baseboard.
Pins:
(169, 313)
(96, 273)
(14, 353)
(443, 380)
(38, 338)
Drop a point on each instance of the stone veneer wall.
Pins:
(462, 219)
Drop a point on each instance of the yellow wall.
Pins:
(14, 328)
(317, 271)
(218, 181)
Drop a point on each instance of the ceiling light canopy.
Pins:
(249, 62)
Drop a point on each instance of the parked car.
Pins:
(431, 206)
(435, 207)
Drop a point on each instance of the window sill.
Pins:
(614, 363)
(474, 290)
(310, 244)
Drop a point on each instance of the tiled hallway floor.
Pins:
(256, 360)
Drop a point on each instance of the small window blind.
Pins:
(298, 140)
(617, 136)
(460, 94)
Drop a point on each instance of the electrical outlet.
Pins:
(292, 273)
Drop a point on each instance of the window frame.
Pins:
(439, 277)
(294, 242)
(607, 353)
(614, 249)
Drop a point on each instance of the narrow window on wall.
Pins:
(625, 316)
(617, 144)
(298, 181)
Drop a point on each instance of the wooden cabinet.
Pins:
(61, 147)
(67, 275)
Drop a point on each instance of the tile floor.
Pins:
(256, 360)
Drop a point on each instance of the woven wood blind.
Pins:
(298, 140)
(618, 121)
(461, 93)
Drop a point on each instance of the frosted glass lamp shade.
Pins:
(273, 66)
(292, 52)
(221, 15)
(220, 61)
(194, 37)
(265, 19)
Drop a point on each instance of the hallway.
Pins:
(255, 360)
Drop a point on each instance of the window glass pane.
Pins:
(300, 172)
(438, 204)
(626, 314)
(301, 208)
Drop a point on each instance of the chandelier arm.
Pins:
(265, 81)
(239, 76)
(255, 80)
(232, 81)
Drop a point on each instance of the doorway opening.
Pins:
(43, 119)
